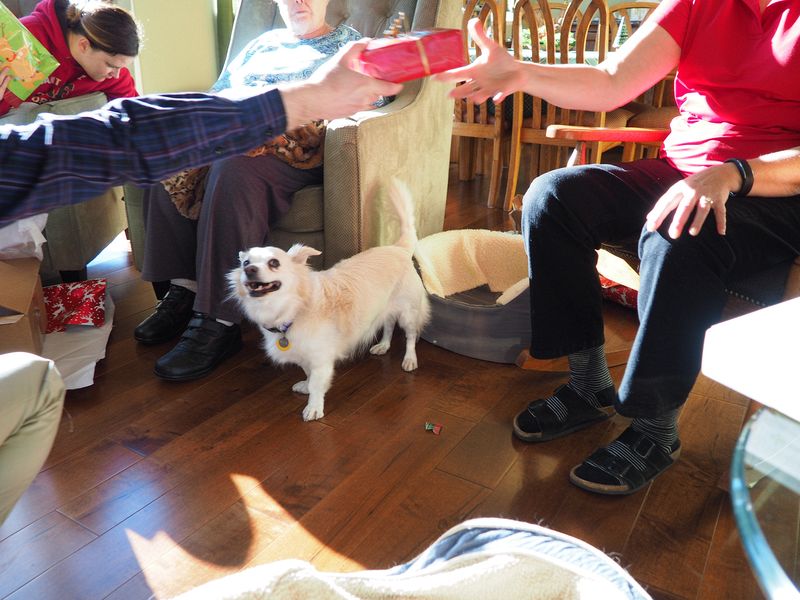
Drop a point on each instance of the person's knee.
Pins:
(548, 194)
(34, 378)
(31, 402)
(238, 171)
(686, 252)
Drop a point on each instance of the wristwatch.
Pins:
(747, 176)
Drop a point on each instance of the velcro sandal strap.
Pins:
(618, 468)
(651, 454)
(579, 414)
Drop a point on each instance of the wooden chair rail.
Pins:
(641, 135)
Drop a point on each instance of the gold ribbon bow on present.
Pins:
(400, 25)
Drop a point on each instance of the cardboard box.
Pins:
(23, 317)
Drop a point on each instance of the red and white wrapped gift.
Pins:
(80, 303)
(619, 293)
(413, 55)
(619, 282)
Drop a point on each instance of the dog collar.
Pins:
(282, 343)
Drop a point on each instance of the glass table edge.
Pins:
(771, 577)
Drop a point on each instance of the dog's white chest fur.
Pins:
(316, 318)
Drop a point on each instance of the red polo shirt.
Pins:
(738, 82)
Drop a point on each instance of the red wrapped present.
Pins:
(619, 293)
(80, 303)
(413, 55)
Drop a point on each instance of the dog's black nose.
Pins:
(251, 271)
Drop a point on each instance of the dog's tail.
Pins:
(403, 204)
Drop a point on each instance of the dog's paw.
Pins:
(409, 363)
(301, 387)
(380, 348)
(311, 413)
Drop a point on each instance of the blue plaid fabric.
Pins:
(61, 160)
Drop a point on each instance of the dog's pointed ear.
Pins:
(300, 253)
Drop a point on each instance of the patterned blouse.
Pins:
(278, 56)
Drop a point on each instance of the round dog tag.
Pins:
(283, 344)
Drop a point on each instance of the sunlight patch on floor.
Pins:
(171, 566)
(119, 245)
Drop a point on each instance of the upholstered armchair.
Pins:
(409, 138)
(75, 234)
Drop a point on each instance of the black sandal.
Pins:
(538, 423)
(606, 473)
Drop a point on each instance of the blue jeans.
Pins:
(569, 212)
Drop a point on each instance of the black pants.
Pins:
(568, 213)
(244, 197)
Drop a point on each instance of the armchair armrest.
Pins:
(27, 111)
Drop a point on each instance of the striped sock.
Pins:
(662, 430)
(588, 374)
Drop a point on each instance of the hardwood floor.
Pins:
(153, 487)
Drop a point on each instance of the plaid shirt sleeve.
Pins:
(60, 160)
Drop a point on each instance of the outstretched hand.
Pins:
(494, 74)
(335, 90)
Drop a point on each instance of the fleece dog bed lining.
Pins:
(477, 282)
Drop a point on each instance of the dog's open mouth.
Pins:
(259, 288)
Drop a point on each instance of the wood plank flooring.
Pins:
(153, 487)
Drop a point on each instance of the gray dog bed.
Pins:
(477, 282)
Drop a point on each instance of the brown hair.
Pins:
(108, 28)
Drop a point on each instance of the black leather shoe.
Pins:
(203, 346)
(171, 317)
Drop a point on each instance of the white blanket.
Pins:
(545, 565)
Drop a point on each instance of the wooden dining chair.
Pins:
(577, 32)
(533, 38)
(655, 108)
(476, 124)
(652, 111)
(625, 18)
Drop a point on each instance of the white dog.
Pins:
(316, 318)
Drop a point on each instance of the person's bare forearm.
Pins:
(643, 60)
(580, 87)
(777, 174)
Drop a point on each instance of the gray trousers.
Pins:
(31, 399)
(244, 197)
